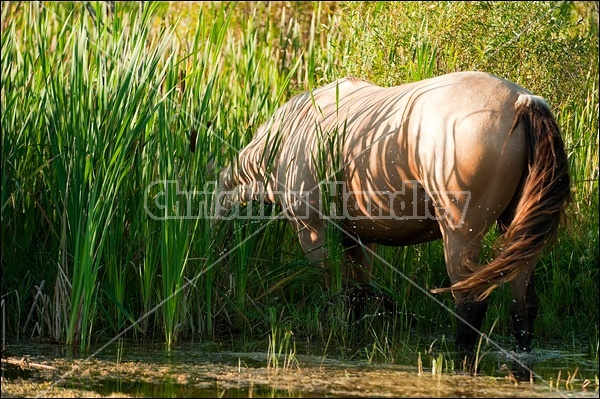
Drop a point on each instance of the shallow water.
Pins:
(211, 370)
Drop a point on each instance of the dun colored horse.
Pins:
(446, 157)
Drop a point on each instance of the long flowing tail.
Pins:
(541, 207)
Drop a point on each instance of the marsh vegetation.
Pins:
(100, 101)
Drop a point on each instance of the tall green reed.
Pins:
(107, 141)
(97, 96)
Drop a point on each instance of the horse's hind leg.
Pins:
(468, 325)
(524, 312)
(461, 250)
(524, 309)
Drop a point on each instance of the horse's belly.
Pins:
(399, 233)
(391, 217)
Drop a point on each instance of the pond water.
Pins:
(123, 369)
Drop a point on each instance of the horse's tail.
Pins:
(541, 206)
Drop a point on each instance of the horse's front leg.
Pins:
(356, 267)
(312, 240)
(358, 264)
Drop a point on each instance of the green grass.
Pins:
(96, 108)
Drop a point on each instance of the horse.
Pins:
(445, 158)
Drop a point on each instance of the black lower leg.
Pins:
(524, 312)
(470, 318)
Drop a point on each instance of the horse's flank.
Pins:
(541, 206)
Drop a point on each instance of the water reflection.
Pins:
(170, 389)
(195, 370)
